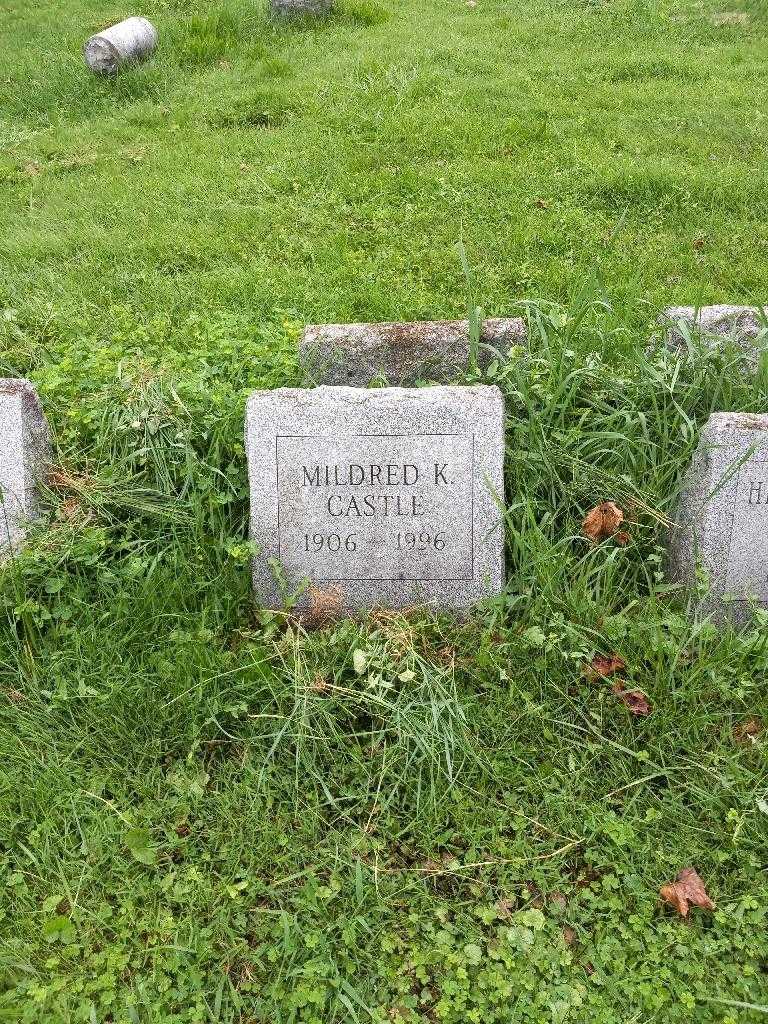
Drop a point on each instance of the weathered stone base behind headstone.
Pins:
(382, 498)
(722, 521)
(745, 327)
(400, 354)
(24, 458)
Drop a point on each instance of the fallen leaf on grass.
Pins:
(504, 908)
(438, 867)
(602, 521)
(686, 891)
(446, 655)
(319, 684)
(747, 731)
(603, 665)
(635, 700)
(569, 935)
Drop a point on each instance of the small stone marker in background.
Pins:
(127, 42)
(722, 521)
(24, 458)
(401, 354)
(745, 327)
(301, 6)
(382, 498)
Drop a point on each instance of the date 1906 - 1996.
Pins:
(408, 541)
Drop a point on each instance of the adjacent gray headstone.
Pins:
(401, 354)
(301, 6)
(722, 521)
(124, 43)
(744, 327)
(387, 498)
(24, 458)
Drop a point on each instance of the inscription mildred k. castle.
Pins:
(374, 501)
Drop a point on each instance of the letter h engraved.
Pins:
(755, 492)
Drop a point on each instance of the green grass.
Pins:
(209, 815)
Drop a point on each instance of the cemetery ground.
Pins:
(209, 813)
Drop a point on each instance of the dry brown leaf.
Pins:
(603, 665)
(635, 700)
(686, 891)
(747, 731)
(446, 655)
(319, 684)
(602, 521)
(569, 935)
(504, 908)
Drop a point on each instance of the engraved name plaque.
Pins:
(390, 496)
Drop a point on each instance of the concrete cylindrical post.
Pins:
(128, 41)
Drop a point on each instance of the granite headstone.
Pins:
(389, 497)
(23, 461)
(722, 521)
(401, 354)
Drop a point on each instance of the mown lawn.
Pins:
(210, 815)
